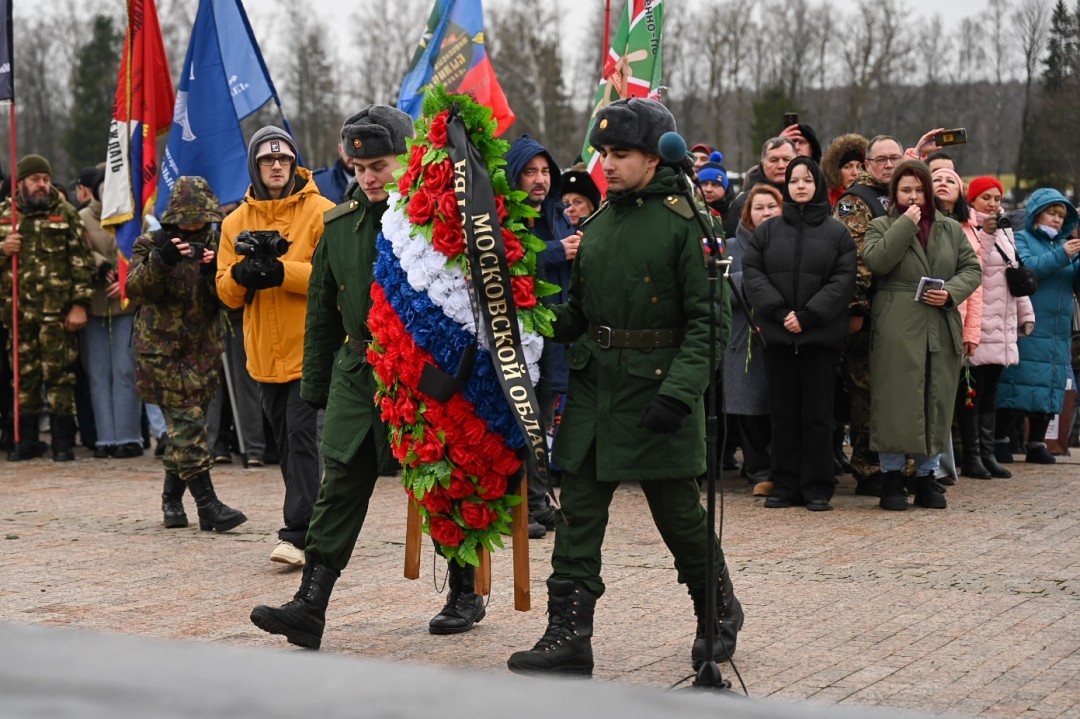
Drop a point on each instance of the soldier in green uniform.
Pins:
(56, 274)
(178, 343)
(639, 310)
(338, 377)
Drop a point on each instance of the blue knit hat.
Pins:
(713, 171)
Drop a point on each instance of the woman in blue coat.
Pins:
(1036, 386)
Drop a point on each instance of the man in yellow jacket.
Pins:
(272, 289)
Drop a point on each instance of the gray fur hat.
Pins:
(375, 131)
(633, 123)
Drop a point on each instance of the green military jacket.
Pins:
(56, 269)
(640, 265)
(336, 372)
(177, 328)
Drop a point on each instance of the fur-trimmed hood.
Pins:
(830, 161)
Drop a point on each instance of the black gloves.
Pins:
(169, 253)
(663, 415)
(267, 276)
(103, 271)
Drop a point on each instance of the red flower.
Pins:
(500, 206)
(389, 410)
(514, 250)
(447, 240)
(431, 449)
(437, 131)
(506, 463)
(449, 209)
(460, 485)
(477, 514)
(421, 207)
(406, 408)
(438, 176)
(416, 155)
(437, 501)
(401, 449)
(523, 292)
(445, 531)
(492, 486)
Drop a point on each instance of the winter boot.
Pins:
(172, 501)
(302, 620)
(1037, 453)
(29, 446)
(566, 647)
(463, 607)
(213, 515)
(926, 494)
(729, 616)
(893, 494)
(971, 464)
(63, 438)
(987, 422)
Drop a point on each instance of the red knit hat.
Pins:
(981, 184)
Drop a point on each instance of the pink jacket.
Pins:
(971, 309)
(1002, 314)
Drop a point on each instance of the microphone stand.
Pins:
(709, 676)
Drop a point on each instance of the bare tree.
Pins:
(376, 69)
(1031, 21)
(875, 43)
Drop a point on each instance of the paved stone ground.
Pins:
(970, 611)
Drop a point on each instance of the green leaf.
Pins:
(546, 289)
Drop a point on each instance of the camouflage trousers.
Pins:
(188, 451)
(47, 357)
(863, 460)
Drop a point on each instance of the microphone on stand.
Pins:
(672, 150)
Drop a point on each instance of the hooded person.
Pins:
(1036, 386)
(531, 169)
(273, 291)
(799, 276)
(842, 162)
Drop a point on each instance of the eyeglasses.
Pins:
(271, 160)
(889, 160)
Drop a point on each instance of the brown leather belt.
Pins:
(609, 338)
(357, 346)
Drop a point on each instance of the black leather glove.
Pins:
(169, 253)
(663, 415)
(273, 275)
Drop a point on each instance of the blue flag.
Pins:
(224, 80)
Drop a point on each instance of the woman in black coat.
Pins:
(799, 275)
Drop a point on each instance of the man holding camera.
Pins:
(272, 289)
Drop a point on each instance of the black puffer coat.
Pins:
(804, 261)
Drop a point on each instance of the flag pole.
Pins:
(14, 287)
(607, 35)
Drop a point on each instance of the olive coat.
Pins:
(640, 266)
(915, 349)
(339, 297)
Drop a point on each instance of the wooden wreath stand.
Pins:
(519, 534)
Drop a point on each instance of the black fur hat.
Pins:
(375, 131)
(581, 182)
(633, 123)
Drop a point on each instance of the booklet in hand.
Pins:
(925, 285)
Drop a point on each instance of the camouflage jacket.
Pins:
(56, 269)
(178, 329)
(853, 211)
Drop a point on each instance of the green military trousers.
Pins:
(342, 506)
(676, 510)
(47, 356)
(188, 452)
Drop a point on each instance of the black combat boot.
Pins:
(463, 607)
(302, 620)
(987, 425)
(971, 463)
(926, 494)
(172, 501)
(63, 438)
(729, 614)
(29, 445)
(213, 515)
(893, 493)
(566, 647)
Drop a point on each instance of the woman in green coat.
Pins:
(917, 340)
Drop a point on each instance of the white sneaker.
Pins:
(286, 553)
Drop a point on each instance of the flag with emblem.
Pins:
(631, 68)
(7, 60)
(142, 111)
(452, 53)
(223, 81)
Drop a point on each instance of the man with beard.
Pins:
(531, 169)
(56, 273)
(867, 198)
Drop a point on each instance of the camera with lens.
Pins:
(1004, 223)
(261, 246)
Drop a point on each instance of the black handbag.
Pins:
(1022, 281)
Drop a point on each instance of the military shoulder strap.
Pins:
(341, 210)
(875, 201)
(679, 206)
